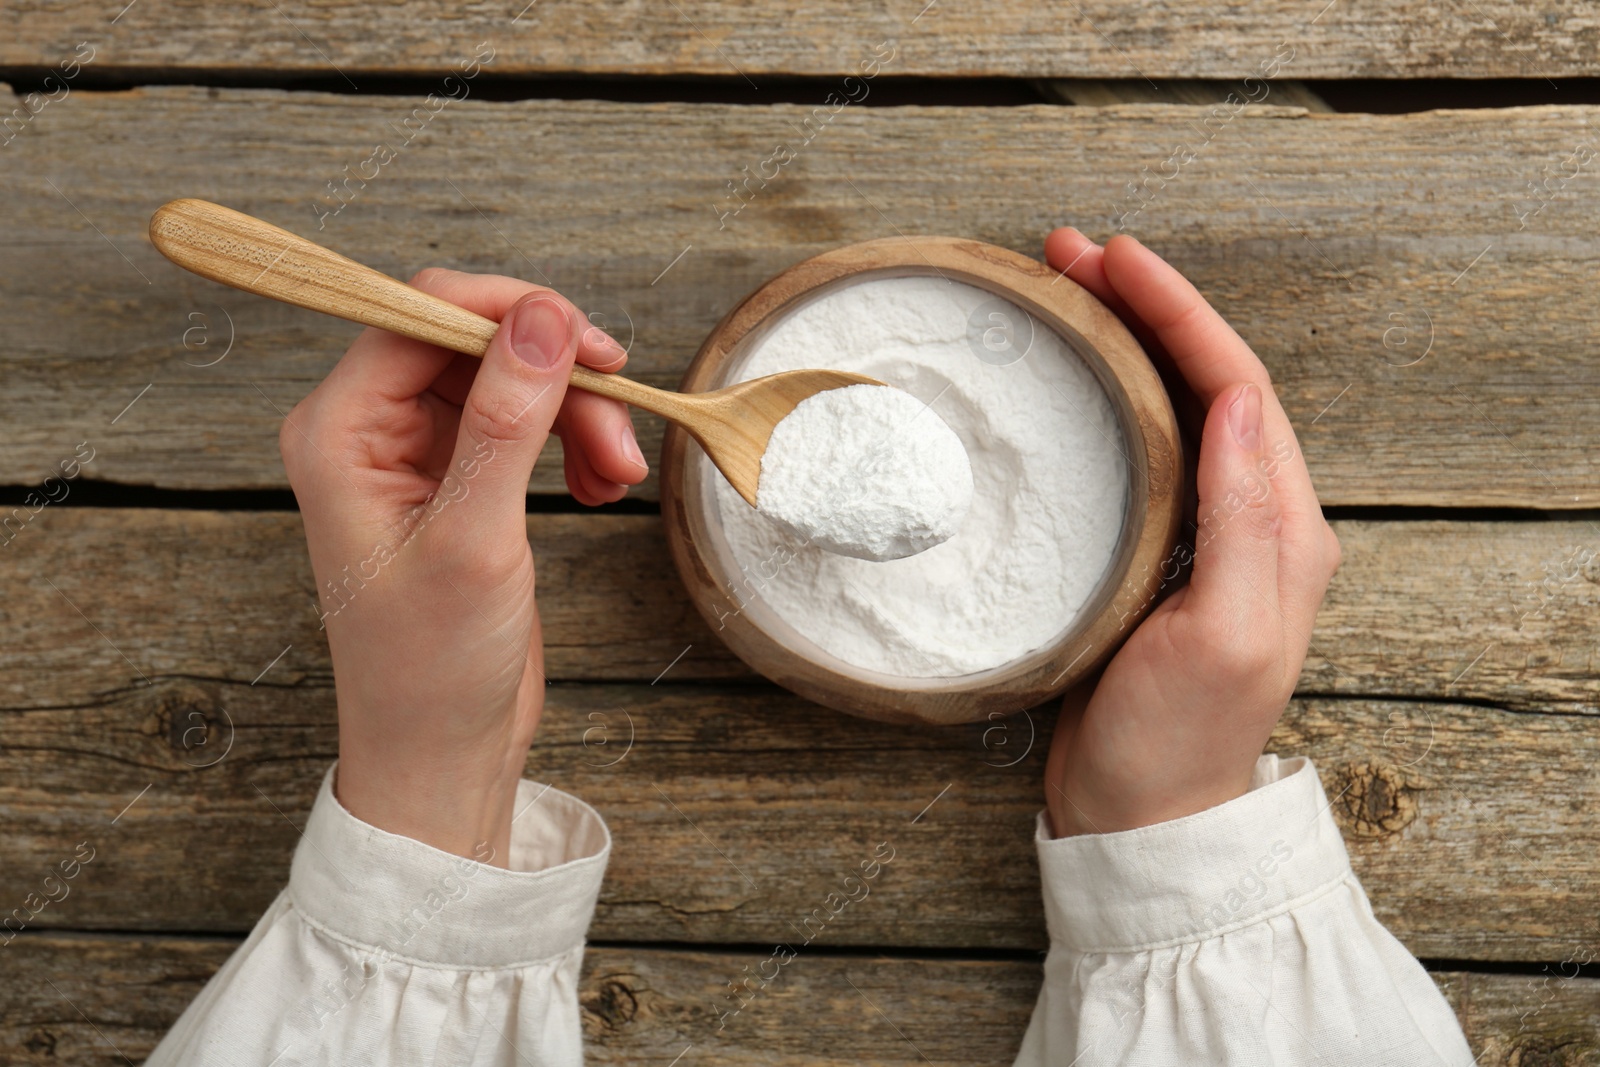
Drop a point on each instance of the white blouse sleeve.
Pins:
(1236, 936)
(385, 950)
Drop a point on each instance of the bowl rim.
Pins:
(1146, 545)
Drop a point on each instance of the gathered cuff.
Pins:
(1197, 877)
(408, 900)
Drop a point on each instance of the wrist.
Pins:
(463, 810)
(1074, 812)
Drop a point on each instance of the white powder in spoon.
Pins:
(867, 471)
(1048, 466)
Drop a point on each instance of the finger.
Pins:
(1189, 328)
(602, 431)
(1073, 254)
(381, 369)
(1080, 259)
(1234, 588)
(455, 381)
(600, 424)
(591, 489)
(507, 416)
(441, 440)
(492, 296)
(1263, 553)
(1205, 349)
(592, 425)
(1212, 357)
(575, 483)
(600, 351)
(384, 366)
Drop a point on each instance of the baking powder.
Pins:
(866, 470)
(1048, 465)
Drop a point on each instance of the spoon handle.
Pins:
(240, 250)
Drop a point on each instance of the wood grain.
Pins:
(257, 257)
(743, 42)
(1341, 246)
(644, 1006)
(735, 809)
(220, 595)
(1502, 612)
(1507, 613)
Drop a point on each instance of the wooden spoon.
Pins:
(733, 424)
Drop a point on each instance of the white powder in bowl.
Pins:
(868, 471)
(1048, 466)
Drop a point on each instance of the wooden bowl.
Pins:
(1150, 528)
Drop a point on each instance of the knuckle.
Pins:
(1193, 314)
(1247, 656)
(292, 440)
(307, 444)
(506, 563)
(1235, 644)
(431, 279)
(492, 564)
(1252, 500)
(288, 443)
(438, 555)
(1335, 552)
(497, 419)
(526, 287)
(1262, 521)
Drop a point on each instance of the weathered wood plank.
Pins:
(1100, 38)
(1439, 802)
(736, 810)
(646, 1006)
(1507, 613)
(219, 595)
(1503, 612)
(652, 759)
(1336, 243)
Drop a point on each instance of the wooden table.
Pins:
(1420, 285)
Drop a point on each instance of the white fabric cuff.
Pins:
(410, 901)
(1197, 877)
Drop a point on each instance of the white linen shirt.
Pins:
(1236, 936)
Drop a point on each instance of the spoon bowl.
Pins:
(733, 425)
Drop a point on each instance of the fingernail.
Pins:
(1244, 418)
(630, 448)
(540, 332)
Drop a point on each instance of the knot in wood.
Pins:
(41, 1043)
(197, 728)
(613, 1005)
(1376, 800)
(1550, 1050)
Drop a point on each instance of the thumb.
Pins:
(1235, 580)
(506, 417)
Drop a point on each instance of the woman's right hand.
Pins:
(411, 466)
(1177, 720)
